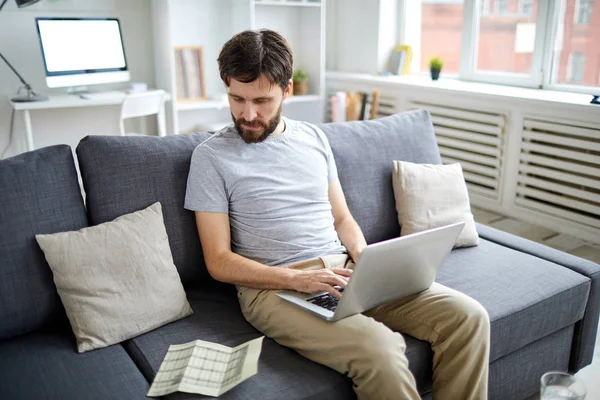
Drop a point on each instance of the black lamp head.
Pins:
(25, 3)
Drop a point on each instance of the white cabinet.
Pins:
(210, 23)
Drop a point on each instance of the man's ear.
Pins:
(288, 89)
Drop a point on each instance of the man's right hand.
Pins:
(321, 280)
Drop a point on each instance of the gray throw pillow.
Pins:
(116, 280)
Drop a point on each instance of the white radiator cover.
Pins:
(559, 170)
(473, 138)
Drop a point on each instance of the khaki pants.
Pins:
(368, 348)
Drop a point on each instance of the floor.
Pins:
(591, 251)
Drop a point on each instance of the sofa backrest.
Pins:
(123, 174)
(364, 152)
(39, 193)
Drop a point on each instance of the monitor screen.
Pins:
(82, 51)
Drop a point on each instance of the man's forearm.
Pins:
(352, 237)
(239, 270)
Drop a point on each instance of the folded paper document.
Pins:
(205, 368)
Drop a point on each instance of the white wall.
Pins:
(361, 34)
(19, 44)
(353, 35)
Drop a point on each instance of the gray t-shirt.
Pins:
(275, 192)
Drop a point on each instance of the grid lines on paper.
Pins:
(207, 367)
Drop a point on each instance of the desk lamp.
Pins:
(31, 95)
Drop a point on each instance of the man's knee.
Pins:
(381, 371)
(472, 315)
(383, 350)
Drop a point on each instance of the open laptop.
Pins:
(385, 271)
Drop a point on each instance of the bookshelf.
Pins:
(208, 24)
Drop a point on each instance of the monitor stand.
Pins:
(77, 90)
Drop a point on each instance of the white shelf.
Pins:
(302, 99)
(201, 105)
(216, 104)
(287, 3)
(459, 86)
(210, 23)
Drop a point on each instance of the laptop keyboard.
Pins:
(326, 300)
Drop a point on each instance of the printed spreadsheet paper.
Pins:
(205, 368)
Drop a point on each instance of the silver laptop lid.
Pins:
(397, 268)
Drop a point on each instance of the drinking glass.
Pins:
(561, 386)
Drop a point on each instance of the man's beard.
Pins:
(256, 136)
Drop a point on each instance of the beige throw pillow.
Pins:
(116, 280)
(429, 196)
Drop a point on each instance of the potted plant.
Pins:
(435, 65)
(300, 79)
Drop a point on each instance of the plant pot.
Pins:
(300, 88)
(435, 74)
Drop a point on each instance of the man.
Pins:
(271, 215)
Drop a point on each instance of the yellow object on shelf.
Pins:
(400, 60)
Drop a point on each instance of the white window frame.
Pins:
(553, 20)
(547, 31)
(470, 36)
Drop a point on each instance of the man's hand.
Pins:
(321, 280)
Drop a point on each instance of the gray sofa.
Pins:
(543, 304)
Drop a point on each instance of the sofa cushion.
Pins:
(39, 193)
(282, 373)
(46, 365)
(364, 152)
(586, 330)
(527, 298)
(431, 196)
(117, 279)
(122, 174)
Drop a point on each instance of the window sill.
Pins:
(459, 87)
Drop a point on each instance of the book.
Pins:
(374, 104)
(363, 106)
(400, 59)
(341, 106)
(353, 103)
(334, 109)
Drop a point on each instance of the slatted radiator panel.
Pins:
(387, 104)
(472, 138)
(559, 170)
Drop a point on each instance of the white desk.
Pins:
(63, 101)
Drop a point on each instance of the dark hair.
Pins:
(249, 54)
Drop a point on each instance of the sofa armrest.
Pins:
(584, 339)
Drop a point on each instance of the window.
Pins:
(529, 43)
(441, 27)
(575, 59)
(583, 11)
(526, 7)
(505, 42)
(501, 7)
(576, 67)
(493, 6)
(485, 6)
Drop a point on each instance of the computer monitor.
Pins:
(82, 51)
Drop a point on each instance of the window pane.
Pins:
(441, 28)
(576, 47)
(583, 11)
(506, 36)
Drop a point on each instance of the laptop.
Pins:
(385, 271)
